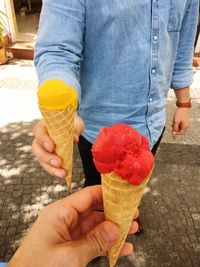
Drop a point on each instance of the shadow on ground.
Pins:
(24, 187)
(170, 212)
(170, 209)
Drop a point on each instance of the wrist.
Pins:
(183, 95)
(184, 104)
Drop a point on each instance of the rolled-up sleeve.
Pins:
(59, 45)
(182, 73)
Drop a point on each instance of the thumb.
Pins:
(97, 242)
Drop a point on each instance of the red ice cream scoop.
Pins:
(123, 150)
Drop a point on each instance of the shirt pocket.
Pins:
(177, 10)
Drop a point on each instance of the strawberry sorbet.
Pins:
(123, 150)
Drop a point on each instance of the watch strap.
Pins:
(183, 105)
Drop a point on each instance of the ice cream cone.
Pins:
(123, 157)
(121, 200)
(58, 103)
(60, 126)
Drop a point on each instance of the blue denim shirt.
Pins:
(121, 56)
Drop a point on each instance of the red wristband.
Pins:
(183, 105)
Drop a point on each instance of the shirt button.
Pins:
(155, 37)
(150, 99)
(154, 2)
(153, 71)
(149, 123)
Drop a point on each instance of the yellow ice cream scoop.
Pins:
(58, 104)
(56, 94)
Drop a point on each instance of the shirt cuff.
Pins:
(182, 80)
(3, 264)
(66, 77)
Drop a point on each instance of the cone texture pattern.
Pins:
(121, 200)
(60, 126)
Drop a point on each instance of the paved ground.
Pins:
(170, 209)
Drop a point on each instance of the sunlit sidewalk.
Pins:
(18, 92)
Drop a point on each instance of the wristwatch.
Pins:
(184, 105)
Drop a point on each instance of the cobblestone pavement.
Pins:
(170, 209)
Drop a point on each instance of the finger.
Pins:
(136, 214)
(60, 173)
(41, 134)
(181, 131)
(127, 249)
(183, 128)
(134, 228)
(79, 203)
(86, 223)
(76, 138)
(176, 127)
(44, 156)
(97, 242)
(93, 219)
(88, 197)
(98, 207)
(78, 127)
(91, 212)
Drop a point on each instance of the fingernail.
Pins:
(54, 162)
(47, 146)
(59, 174)
(109, 233)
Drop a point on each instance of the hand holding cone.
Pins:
(125, 161)
(58, 103)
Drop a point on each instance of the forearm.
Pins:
(182, 71)
(183, 95)
(58, 50)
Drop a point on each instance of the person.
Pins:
(198, 31)
(70, 232)
(121, 57)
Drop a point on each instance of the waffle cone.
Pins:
(121, 200)
(60, 126)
